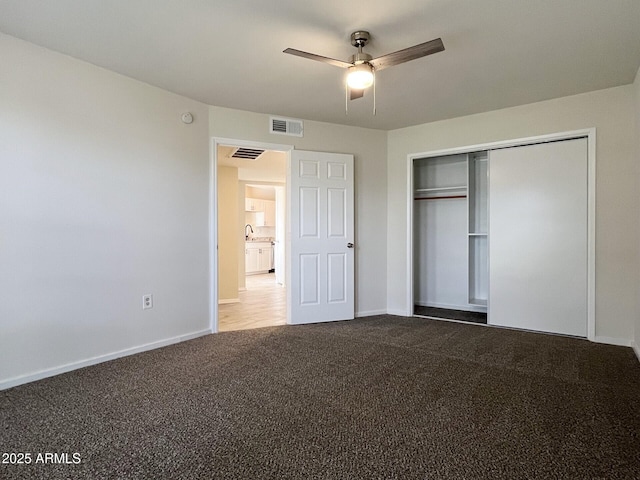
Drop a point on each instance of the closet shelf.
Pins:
(440, 197)
(441, 189)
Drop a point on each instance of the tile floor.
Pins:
(262, 304)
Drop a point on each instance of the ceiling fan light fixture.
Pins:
(360, 76)
(362, 68)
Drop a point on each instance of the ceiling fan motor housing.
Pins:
(360, 38)
(360, 57)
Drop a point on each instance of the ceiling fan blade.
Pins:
(411, 53)
(319, 58)
(355, 93)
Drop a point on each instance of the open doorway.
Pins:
(251, 189)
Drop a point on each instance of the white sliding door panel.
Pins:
(538, 237)
(322, 230)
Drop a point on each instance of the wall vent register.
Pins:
(247, 153)
(286, 126)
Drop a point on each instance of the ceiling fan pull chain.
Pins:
(346, 99)
(374, 91)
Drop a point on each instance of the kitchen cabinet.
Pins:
(258, 257)
(253, 205)
(269, 213)
(252, 259)
(265, 211)
(265, 258)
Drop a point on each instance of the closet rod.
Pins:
(439, 198)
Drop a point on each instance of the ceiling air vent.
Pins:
(286, 126)
(247, 153)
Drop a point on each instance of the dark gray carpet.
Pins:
(376, 398)
(448, 314)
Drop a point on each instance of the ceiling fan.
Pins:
(362, 67)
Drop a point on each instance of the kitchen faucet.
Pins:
(246, 235)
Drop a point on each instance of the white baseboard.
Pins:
(370, 313)
(621, 342)
(225, 301)
(399, 313)
(50, 372)
(636, 348)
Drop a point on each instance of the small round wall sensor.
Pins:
(187, 118)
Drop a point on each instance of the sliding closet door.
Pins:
(538, 237)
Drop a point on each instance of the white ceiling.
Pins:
(499, 53)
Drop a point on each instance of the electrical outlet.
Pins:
(147, 301)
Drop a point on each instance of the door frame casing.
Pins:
(590, 135)
(213, 213)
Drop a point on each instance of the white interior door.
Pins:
(321, 279)
(538, 237)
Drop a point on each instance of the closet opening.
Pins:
(504, 234)
(450, 228)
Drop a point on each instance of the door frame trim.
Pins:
(214, 143)
(590, 135)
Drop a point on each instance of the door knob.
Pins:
(349, 245)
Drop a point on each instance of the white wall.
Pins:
(103, 198)
(636, 87)
(611, 111)
(369, 148)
